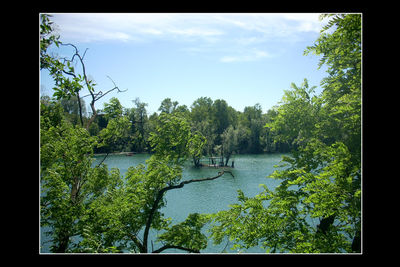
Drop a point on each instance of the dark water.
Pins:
(210, 196)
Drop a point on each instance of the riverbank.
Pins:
(118, 153)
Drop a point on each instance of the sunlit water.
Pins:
(209, 196)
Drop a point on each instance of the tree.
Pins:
(113, 109)
(68, 182)
(196, 145)
(115, 219)
(167, 106)
(222, 116)
(115, 136)
(229, 143)
(68, 81)
(47, 38)
(201, 109)
(270, 143)
(139, 125)
(105, 210)
(71, 108)
(202, 121)
(252, 120)
(322, 178)
(341, 52)
(296, 116)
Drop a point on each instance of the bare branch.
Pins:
(69, 73)
(178, 247)
(95, 96)
(84, 53)
(161, 194)
(103, 159)
(115, 86)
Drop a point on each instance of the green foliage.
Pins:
(252, 121)
(140, 126)
(171, 139)
(196, 144)
(113, 109)
(222, 117)
(229, 142)
(202, 121)
(51, 114)
(316, 208)
(296, 116)
(47, 38)
(187, 233)
(104, 210)
(167, 106)
(322, 178)
(115, 136)
(341, 53)
(69, 184)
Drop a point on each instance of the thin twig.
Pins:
(103, 159)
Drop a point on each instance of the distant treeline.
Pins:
(226, 130)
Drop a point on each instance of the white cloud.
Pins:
(195, 32)
(246, 57)
(83, 27)
(238, 36)
(135, 27)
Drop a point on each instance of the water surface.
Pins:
(209, 196)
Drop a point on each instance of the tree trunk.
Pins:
(324, 224)
(227, 159)
(356, 245)
(196, 161)
(74, 189)
(93, 115)
(80, 108)
(63, 242)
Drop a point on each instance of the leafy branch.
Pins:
(160, 195)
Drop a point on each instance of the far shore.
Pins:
(120, 153)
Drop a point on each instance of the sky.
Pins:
(243, 58)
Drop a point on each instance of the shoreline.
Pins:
(119, 153)
(133, 153)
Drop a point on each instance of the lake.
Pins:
(209, 196)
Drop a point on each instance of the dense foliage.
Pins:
(107, 211)
(211, 119)
(88, 208)
(316, 208)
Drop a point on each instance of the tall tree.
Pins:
(69, 82)
(113, 109)
(68, 182)
(252, 119)
(222, 116)
(229, 143)
(322, 178)
(139, 125)
(341, 53)
(168, 106)
(116, 219)
(202, 121)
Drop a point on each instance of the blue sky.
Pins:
(242, 58)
